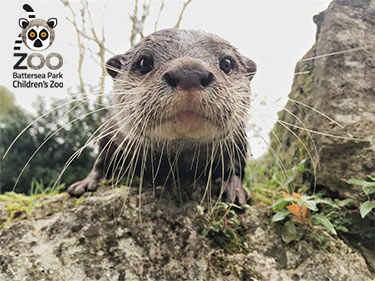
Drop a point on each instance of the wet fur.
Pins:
(133, 141)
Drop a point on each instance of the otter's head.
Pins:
(181, 85)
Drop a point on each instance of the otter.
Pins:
(179, 110)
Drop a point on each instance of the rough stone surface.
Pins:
(106, 237)
(337, 78)
(103, 239)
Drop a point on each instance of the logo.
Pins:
(37, 35)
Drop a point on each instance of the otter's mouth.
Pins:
(186, 124)
(187, 117)
(186, 121)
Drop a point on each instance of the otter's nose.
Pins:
(188, 79)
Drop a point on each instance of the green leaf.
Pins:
(282, 202)
(279, 204)
(341, 228)
(327, 202)
(303, 161)
(366, 208)
(371, 178)
(369, 188)
(289, 232)
(310, 205)
(356, 182)
(280, 215)
(322, 220)
(204, 232)
(289, 180)
(320, 194)
(345, 202)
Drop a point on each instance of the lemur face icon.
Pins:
(38, 34)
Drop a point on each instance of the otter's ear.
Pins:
(23, 23)
(114, 65)
(52, 22)
(249, 65)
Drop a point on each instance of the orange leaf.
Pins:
(295, 195)
(299, 211)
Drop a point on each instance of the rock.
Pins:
(336, 78)
(111, 236)
(103, 239)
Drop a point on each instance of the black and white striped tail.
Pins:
(31, 15)
(29, 11)
(18, 43)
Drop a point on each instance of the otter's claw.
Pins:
(235, 192)
(88, 184)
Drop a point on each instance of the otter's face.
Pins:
(181, 85)
(38, 34)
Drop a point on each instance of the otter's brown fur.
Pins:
(179, 109)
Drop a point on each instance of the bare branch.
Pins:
(92, 39)
(158, 18)
(93, 36)
(138, 24)
(133, 19)
(177, 25)
(86, 31)
(101, 52)
(146, 12)
(81, 56)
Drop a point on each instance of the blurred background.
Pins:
(275, 34)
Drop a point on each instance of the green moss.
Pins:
(224, 228)
(17, 207)
(308, 84)
(263, 196)
(308, 66)
(78, 201)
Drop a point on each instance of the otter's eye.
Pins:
(146, 64)
(226, 65)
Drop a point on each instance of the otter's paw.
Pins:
(80, 187)
(235, 192)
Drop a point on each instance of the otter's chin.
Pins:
(188, 121)
(187, 125)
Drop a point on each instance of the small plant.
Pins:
(20, 206)
(368, 188)
(224, 227)
(303, 210)
(267, 179)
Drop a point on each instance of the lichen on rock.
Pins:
(105, 238)
(333, 99)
